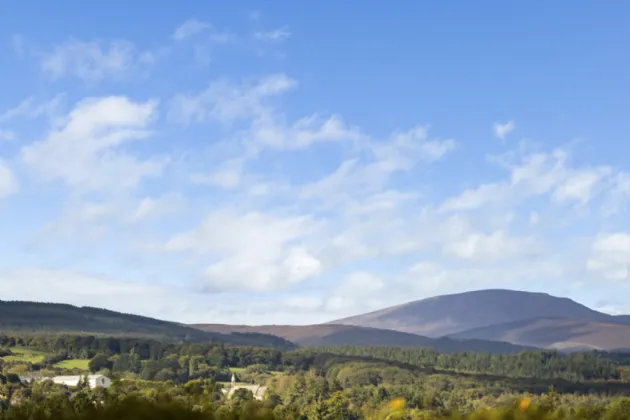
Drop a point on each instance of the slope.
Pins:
(54, 318)
(560, 333)
(348, 335)
(449, 314)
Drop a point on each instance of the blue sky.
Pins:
(251, 162)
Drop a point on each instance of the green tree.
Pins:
(100, 361)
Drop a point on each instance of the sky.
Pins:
(298, 162)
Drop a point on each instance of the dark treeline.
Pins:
(86, 347)
(152, 360)
(527, 364)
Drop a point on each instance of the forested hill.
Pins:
(542, 364)
(54, 318)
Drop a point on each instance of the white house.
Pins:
(257, 390)
(93, 380)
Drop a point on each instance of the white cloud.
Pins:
(28, 108)
(8, 183)
(537, 174)
(225, 102)
(86, 150)
(189, 28)
(478, 197)
(619, 196)
(93, 61)
(254, 251)
(279, 34)
(581, 185)
(150, 207)
(228, 176)
(303, 133)
(94, 211)
(502, 130)
(405, 149)
(610, 256)
(357, 290)
(400, 152)
(228, 103)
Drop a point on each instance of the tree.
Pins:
(240, 396)
(100, 361)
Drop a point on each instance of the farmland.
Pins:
(25, 355)
(73, 364)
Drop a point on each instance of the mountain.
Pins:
(450, 314)
(349, 335)
(560, 333)
(54, 318)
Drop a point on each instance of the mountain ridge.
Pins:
(491, 320)
(565, 334)
(350, 335)
(25, 317)
(449, 314)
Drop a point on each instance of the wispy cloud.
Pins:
(8, 182)
(279, 34)
(84, 151)
(502, 130)
(30, 108)
(92, 61)
(189, 28)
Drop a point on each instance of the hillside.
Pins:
(348, 335)
(560, 333)
(450, 314)
(54, 318)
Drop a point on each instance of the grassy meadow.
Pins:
(26, 355)
(80, 364)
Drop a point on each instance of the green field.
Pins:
(81, 364)
(26, 355)
(21, 354)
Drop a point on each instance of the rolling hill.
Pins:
(54, 318)
(450, 314)
(560, 333)
(348, 335)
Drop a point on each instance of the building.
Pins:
(257, 390)
(26, 379)
(93, 380)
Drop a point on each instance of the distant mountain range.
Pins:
(523, 318)
(495, 321)
(350, 335)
